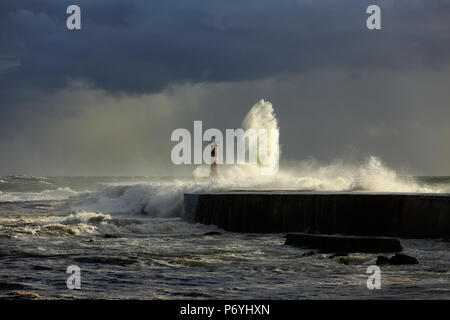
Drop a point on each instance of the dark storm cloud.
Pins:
(143, 46)
(105, 99)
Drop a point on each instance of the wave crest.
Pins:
(46, 195)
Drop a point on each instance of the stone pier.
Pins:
(347, 213)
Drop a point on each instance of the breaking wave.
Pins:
(101, 224)
(158, 199)
(56, 194)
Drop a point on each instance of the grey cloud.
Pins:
(138, 69)
(143, 46)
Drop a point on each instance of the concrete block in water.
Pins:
(345, 244)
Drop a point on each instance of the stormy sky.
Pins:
(104, 100)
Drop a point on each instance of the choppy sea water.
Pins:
(130, 241)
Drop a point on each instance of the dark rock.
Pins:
(12, 286)
(338, 254)
(343, 261)
(110, 236)
(107, 260)
(403, 259)
(39, 268)
(309, 253)
(212, 233)
(382, 260)
(397, 259)
(343, 244)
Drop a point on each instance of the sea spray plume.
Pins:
(371, 176)
(374, 175)
(262, 119)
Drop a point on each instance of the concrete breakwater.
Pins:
(343, 244)
(366, 214)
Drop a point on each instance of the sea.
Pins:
(128, 237)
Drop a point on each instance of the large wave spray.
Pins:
(165, 199)
(262, 118)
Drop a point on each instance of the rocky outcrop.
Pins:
(397, 259)
(212, 233)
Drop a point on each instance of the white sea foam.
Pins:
(74, 224)
(97, 223)
(44, 182)
(85, 217)
(56, 194)
(57, 229)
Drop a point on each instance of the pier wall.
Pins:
(375, 214)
